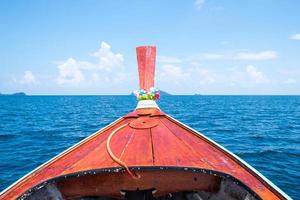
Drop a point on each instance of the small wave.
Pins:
(7, 137)
(269, 151)
(258, 136)
(260, 151)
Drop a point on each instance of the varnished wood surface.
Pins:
(161, 142)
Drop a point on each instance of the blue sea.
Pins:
(263, 130)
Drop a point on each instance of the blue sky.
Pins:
(203, 46)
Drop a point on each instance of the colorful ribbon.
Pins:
(151, 94)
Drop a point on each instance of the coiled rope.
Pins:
(115, 158)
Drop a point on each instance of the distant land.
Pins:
(163, 93)
(14, 94)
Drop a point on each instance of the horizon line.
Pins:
(169, 94)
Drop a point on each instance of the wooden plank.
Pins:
(98, 157)
(205, 151)
(170, 150)
(138, 152)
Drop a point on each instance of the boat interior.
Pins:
(154, 184)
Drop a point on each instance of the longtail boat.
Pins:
(147, 155)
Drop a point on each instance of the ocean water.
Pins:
(263, 130)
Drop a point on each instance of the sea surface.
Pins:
(263, 130)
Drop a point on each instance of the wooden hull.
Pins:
(167, 155)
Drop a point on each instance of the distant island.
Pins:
(163, 93)
(14, 94)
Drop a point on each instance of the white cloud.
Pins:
(263, 55)
(73, 72)
(295, 36)
(255, 75)
(168, 59)
(70, 73)
(202, 75)
(188, 76)
(290, 81)
(28, 78)
(108, 59)
(199, 4)
(95, 77)
(172, 73)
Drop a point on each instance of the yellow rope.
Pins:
(114, 158)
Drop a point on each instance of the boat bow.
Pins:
(142, 150)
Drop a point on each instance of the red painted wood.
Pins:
(146, 56)
(166, 144)
(142, 146)
(145, 122)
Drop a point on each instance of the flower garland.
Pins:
(152, 94)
